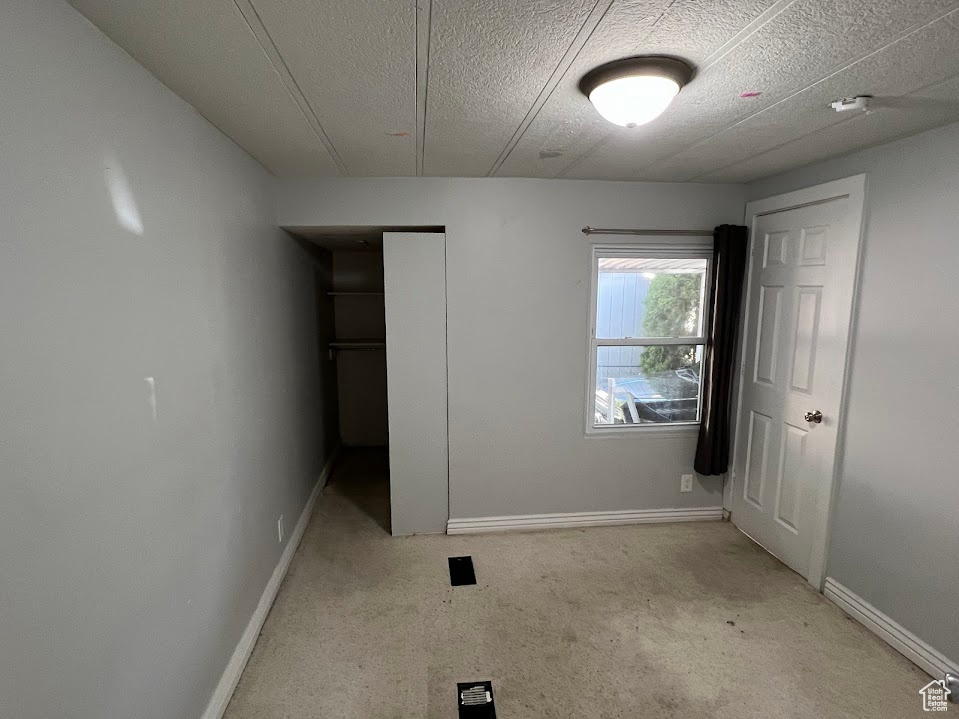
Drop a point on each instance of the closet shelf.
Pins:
(364, 344)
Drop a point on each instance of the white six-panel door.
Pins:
(801, 284)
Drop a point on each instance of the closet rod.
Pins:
(656, 233)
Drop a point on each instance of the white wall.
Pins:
(133, 553)
(517, 288)
(895, 540)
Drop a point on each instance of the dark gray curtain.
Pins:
(730, 246)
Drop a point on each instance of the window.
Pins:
(647, 335)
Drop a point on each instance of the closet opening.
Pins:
(354, 352)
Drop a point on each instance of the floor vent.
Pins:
(461, 571)
(475, 700)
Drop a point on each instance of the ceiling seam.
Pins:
(587, 153)
(913, 29)
(764, 18)
(592, 21)
(652, 28)
(424, 30)
(272, 53)
(842, 121)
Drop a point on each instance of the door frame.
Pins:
(853, 188)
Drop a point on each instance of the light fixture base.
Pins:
(635, 90)
(637, 66)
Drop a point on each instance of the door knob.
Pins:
(952, 683)
(814, 416)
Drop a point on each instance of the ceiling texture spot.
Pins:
(316, 88)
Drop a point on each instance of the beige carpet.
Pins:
(680, 620)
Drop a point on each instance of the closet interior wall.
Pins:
(360, 353)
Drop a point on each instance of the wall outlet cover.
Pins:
(686, 483)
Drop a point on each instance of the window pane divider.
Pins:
(647, 341)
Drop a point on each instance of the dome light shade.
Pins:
(635, 90)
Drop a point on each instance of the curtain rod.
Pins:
(659, 233)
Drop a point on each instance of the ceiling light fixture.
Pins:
(635, 90)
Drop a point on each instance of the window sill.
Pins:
(647, 431)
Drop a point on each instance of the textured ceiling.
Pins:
(464, 88)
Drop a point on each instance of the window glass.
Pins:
(653, 384)
(649, 297)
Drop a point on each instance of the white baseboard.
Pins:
(887, 629)
(479, 525)
(244, 648)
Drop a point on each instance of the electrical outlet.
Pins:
(686, 483)
(279, 529)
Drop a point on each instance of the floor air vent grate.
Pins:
(475, 700)
(461, 571)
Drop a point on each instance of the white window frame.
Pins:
(671, 248)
